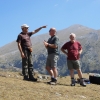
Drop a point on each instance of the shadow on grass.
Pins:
(56, 84)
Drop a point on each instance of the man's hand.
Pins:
(45, 43)
(44, 26)
(79, 53)
(22, 55)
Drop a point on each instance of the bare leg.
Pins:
(72, 73)
(81, 77)
(79, 73)
(72, 77)
(50, 71)
(55, 72)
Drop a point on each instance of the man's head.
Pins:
(52, 31)
(24, 28)
(72, 37)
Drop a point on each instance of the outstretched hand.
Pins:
(44, 26)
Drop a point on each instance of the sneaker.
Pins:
(82, 83)
(72, 82)
(53, 81)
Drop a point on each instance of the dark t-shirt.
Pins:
(24, 39)
(72, 49)
(53, 40)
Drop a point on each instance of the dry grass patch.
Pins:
(14, 88)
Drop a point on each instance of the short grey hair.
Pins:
(73, 34)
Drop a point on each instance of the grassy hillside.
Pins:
(12, 87)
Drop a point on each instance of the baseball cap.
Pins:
(24, 25)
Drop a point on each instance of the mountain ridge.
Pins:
(89, 38)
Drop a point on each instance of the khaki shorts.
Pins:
(52, 60)
(73, 64)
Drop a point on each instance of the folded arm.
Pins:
(50, 45)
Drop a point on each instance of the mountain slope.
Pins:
(90, 58)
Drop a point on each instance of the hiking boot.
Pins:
(33, 79)
(72, 82)
(82, 83)
(26, 78)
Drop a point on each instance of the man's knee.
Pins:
(47, 68)
(79, 70)
(54, 68)
(71, 70)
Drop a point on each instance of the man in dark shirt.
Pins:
(52, 48)
(74, 49)
(25, 48)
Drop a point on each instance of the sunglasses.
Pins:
(25, 27)
(50, 30)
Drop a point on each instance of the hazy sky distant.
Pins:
(54, 13)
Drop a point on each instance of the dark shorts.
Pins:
(52, 60)
(73, 64)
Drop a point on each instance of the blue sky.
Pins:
(54, 13)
